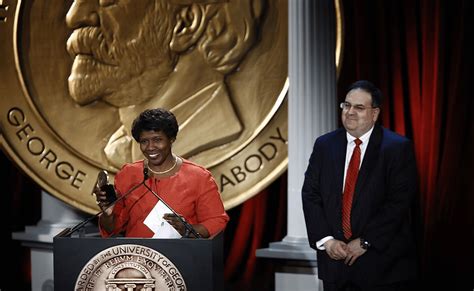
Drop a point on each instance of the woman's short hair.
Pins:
(157, 119)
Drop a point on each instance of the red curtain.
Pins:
(253, 225)
(420, 54)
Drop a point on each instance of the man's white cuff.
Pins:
(320, 243)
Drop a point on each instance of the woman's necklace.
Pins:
(165, 171)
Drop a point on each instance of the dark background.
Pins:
(420, 54)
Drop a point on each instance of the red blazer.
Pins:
(191, 192)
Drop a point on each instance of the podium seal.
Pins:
(129, 267)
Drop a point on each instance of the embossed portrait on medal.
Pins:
(134, 55)
(76, 73)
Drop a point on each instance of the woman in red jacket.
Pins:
(185, 187)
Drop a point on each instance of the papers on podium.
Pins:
(158, 225)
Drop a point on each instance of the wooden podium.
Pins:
(89, 262)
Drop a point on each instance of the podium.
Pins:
(89, 262)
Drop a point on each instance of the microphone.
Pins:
(109, 188)
(186, 224)
(145, 172)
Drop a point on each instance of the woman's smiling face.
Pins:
(156, 147)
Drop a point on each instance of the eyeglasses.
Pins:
(346, 106)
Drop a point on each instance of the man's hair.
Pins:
(158, 119)
(369, 88)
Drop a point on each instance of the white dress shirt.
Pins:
(350, 148)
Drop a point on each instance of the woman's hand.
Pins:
(101, 200)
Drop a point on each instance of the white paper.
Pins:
(160, 227)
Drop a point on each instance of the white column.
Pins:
(312, 95)
(312, 112)
(55, 217)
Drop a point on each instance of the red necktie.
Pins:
(351, 179)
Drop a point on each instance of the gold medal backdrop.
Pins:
(74, 74)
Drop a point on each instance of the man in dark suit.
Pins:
(358, 191)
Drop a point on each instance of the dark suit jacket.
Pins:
(384, 193)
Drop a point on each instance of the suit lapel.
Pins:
(368, 163)
(339, 156)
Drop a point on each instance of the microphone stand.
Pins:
(186, 224)
(86, 221)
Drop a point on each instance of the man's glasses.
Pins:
(346, 106)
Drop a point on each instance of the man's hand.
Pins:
(354, 250)
(336, 249)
